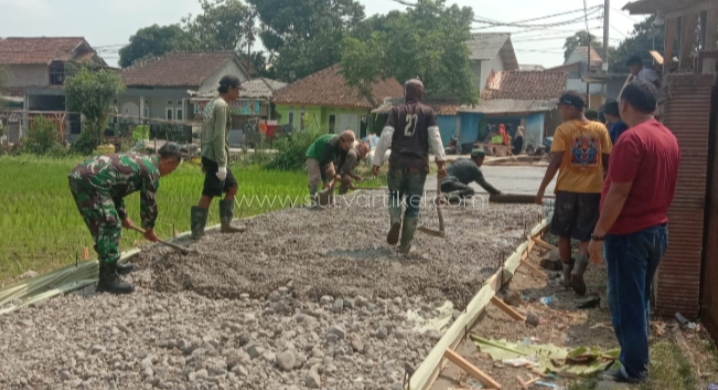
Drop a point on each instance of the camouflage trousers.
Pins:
(101, 217)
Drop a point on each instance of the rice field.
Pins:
(41, 229)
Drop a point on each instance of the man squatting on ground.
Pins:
(218, 177)
(580, 150)
(354, 156)
(409, 130)
(322, 154)
(638, 191)
(99, 186)
(461, 173)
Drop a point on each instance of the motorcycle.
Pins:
(453, 147)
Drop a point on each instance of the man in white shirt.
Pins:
(639, 72)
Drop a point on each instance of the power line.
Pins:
(619, 31)
(520, 22)
(625, 15)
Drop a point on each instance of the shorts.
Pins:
(213, 187)
(575, 215)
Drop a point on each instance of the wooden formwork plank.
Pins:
(472, 370)
(508, 309)
(543, 244)
(429, 369)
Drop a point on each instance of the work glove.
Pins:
(222, 173)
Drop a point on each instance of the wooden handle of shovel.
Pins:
(183, 250)
(438, 206)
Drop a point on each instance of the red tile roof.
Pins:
(329, 88)
(176, 69)
(528, 85)
(42, 50)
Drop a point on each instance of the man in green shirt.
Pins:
(321, 156)
(99, 185)
(215, 157)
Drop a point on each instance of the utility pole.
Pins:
(606, 40)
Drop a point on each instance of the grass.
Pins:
(670, 370)
(41, 229)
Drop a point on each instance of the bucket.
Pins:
(106, 149)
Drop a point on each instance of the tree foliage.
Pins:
(427, 41)
(645, 35)
(91, 92)
(155, 41)
(222, 25)
(579, 39)
(305, 36)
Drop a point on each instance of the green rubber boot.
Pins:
(198, 221)
(577, 282)
(395, 214)
(226, 214)
(407, 234)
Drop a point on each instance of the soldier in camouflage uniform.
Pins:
(99, 186)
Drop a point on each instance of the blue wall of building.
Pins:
(470, 127)
(447, 127)
(534, 129)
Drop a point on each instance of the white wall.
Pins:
(157, 106)
(230, 68)
(496, 65)
(28, 76)
(578, 85)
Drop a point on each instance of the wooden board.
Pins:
(470, 369)
(429, 369)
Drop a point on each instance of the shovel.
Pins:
(179, 248)
(441, 233)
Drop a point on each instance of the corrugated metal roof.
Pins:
(687, 114)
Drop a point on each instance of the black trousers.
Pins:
(451, 186)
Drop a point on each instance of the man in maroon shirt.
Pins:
(637, 193)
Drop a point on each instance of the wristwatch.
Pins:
(595, 237)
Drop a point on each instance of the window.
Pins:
(169, 113)
(146, 112)
(179, 114)
(290, 119)
(169, 102)
(332, 123)
(302, 120)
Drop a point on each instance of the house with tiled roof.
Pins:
(161, 87)
(36, 74)
(490, 53)
(323, 101)
(515, 98)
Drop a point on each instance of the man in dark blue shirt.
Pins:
(613, 115)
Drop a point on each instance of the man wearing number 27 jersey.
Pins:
(409, 131)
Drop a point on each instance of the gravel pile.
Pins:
(343, 252)
(305, 300)
(187, 341)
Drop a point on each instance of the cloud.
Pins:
(26, 5)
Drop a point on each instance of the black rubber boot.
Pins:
(567, 269)
(392, 238)
(198, 221)
(111, 282)
(226, 215)
(407, 234)
(125, 268)
(577, 282)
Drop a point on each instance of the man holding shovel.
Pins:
(409, 131)
(99, 186)
(321, 156)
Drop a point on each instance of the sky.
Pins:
(108, 24)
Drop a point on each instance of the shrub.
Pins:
(42, 138)
(292, 150)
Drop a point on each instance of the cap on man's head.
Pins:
(476, 153)
(572, 99)
(414, 90)
(634, 60)
(611, 108)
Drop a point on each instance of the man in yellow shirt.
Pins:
(580, 156)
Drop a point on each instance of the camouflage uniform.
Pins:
(99, 186)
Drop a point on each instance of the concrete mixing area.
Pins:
(305, 299)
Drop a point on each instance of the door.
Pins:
(348, 122)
